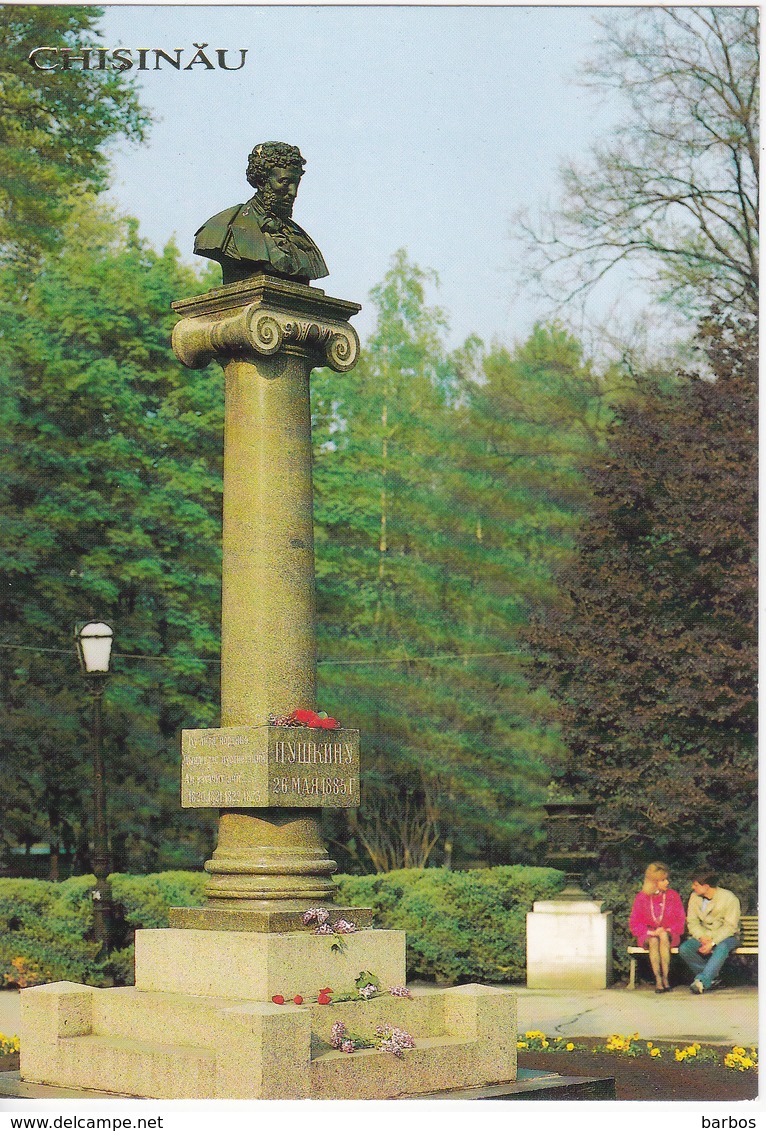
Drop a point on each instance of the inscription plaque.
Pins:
(263, 767)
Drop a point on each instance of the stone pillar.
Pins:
(267, 334)
(569, 945)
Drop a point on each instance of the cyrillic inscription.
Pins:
(257, 767)
(314, 753)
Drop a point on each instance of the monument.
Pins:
(257, 994)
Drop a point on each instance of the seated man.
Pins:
(712, 920)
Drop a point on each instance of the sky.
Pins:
(422, 127)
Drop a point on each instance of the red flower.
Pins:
(298, 999)
(327, 990)
(308, 718)
(324, 999)
(278, 999)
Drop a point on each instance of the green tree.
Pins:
(110, 482)
(653, 655)
(531, 416)
(673, 189)
(55, 126)
(430, 554)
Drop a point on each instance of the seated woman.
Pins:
(658, 920)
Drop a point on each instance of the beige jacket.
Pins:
(718, 921)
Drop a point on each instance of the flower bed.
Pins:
(647, 1070)
(9, 1053)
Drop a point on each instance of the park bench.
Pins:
(748, 944)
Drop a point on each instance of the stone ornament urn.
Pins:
(571, 843)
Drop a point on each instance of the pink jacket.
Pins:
(659, 910)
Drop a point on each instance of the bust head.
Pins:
(274, 169)
(260, 237)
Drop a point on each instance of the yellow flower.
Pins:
(522, 1045)
(9, 1045)
(738, 1059)
(570, 1046)
(655, 1052)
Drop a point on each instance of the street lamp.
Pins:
(94, 647)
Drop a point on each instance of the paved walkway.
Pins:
(726, 1016)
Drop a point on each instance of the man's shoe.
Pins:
(696, 987)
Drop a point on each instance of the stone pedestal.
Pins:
(253, 965)
(200, 1023)
(569, 945)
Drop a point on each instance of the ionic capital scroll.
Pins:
(254, 328)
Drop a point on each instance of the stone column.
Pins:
(267, 334)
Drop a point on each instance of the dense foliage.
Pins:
(443, 502)
(47, 934)
(653, 657)
(110, 500)
(442, 505)
(55, 126)
(461, 926)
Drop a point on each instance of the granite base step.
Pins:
(223, 1048)
(130, 1067)
(529, 1085)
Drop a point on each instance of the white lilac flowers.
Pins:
(388, 1038)
(394, 1040)
(321, 917)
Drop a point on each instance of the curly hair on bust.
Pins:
(272, 155)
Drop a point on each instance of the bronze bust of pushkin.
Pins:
(260, 237)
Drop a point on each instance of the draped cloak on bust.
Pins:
(248, 240)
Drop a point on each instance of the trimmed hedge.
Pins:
(46, 929)
(461, 926)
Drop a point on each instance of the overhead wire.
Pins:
(320, 663)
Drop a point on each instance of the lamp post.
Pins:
(94, 646)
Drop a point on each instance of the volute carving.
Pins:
(257, 329)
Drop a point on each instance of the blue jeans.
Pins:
(706, 967)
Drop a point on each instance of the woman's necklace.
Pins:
(658, 918)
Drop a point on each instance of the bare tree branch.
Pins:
(674, 190)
